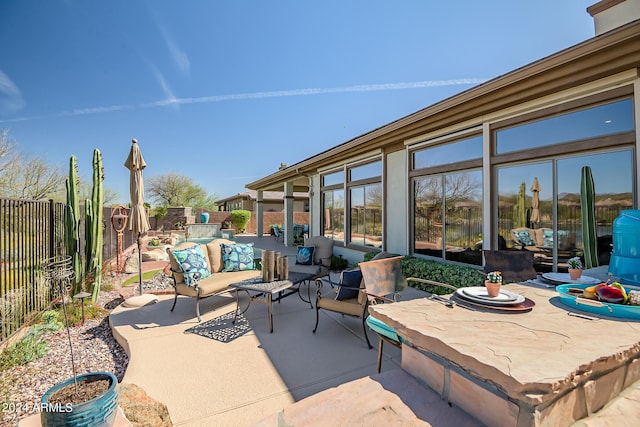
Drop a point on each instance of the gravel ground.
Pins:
(94, 347)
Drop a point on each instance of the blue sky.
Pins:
(224, 91)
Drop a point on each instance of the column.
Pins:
(259, 214)
(288, 213)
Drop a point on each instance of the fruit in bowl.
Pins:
(611, 294)
(592, 291)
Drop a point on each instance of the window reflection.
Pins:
(456, 198)
(552, 247)
(592, 122)
(466, 149)
(333, 179)
(366, 215)
(370, 170)
(334, 215)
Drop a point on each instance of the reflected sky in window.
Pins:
(593, 122)
(466, 149)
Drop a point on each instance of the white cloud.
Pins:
(171, 100)
(10, 97)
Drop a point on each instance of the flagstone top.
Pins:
(532, 357)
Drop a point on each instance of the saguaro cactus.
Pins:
(588, 210)
(72, 224)
(93, 227)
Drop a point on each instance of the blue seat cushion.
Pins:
(381, 328)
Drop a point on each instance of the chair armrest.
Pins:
(373, 298)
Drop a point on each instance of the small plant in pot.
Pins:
(575, 268)
(493, 283)
(89, 399)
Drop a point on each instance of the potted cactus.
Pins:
(575, 268)
(493, 283)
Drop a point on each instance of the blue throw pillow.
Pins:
(525, 238)
(350, 285)
(305, 255)
(237, 257)
(192, 260)
(548, 237)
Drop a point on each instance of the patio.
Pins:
(204, 382)
(256, 376)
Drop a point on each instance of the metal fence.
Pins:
(32, 231)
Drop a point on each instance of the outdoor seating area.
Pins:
(294, 369)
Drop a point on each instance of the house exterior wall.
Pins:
(396, 190)
(610, 14)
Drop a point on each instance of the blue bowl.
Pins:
(620, 311)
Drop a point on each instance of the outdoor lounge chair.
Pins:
(320, 264)
(372, 283)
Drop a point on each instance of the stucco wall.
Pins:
(396, 234)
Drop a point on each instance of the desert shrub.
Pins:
(240, 219)
(32, 346)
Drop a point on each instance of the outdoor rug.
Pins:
(222, 327)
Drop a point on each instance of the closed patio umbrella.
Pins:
(535, 201)
(138, 222)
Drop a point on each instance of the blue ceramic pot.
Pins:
(204, 217)
(99, 411)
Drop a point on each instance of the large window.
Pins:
(333, 205)
(363, 187)
(447, 201)
(538, 190)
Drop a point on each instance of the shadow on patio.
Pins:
(205, 382)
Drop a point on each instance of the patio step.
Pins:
(391, 398)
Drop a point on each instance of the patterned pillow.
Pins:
(525, 238)
(350, 285)
(192, 260)
(305, 255)
(547, 235)
(237, 257)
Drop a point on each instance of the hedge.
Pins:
(451, 274)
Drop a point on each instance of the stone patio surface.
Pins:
(292, 377)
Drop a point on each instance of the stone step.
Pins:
(391, 398)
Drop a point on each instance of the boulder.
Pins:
(131, 266)
(141, 409)
(158, 254)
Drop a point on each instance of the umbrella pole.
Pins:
(140, 262)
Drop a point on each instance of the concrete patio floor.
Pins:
(206, 382)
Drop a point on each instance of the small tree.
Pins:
(240, 219)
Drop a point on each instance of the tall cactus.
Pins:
(72, 224)
(93, 227)
(588, 211)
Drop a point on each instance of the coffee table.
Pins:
(267, 292)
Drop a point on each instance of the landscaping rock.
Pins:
(155, 255)
(131, 266)
(141, 409)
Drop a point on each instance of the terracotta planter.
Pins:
(575, 273)
(493, 289)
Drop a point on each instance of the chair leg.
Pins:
(381, 343)
(198, 307)
(175, 299)
(317, 316)
(364, 328)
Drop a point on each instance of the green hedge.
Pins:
(451, 274)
